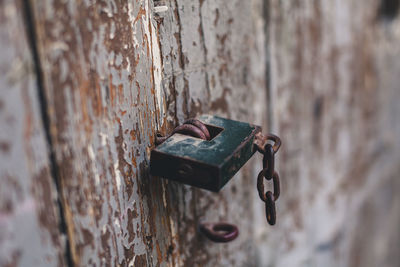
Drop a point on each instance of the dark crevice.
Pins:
(31, 34)
(182, 63)
(152, 71)
(388, 9)
(267, 66)
(203, 42)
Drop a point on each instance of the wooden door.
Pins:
(87, 84)
(334, 87)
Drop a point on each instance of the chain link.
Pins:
(196, 128)
(268, 172)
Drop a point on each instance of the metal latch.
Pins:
(207, 152)
(207, 164)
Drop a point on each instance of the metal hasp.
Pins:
(207, 164)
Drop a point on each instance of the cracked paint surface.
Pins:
(334, 77)
(114, 74)
(29, 218)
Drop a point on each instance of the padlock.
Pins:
(207, 152)
(207, 164)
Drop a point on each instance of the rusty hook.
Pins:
(220, 232)
(199, 125)
(191, 130)
(261, 140)
(192, 127)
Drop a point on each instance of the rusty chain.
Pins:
(268, 172)
(196, 128)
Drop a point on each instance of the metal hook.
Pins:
(220, 232)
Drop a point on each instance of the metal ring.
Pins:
(199, 125)
(277, 186)
(277, 141)
(270, 209)
(260, 186)
(219, 232)
(269, 161)
(190, 130)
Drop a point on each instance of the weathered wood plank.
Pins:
(214, 62)
(29, 218)
(104, 105)
(114, 73)
(334, 94)
(108, 95)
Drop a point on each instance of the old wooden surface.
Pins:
(29, 218)
(334, 92)
(213, 62)
(116, 73)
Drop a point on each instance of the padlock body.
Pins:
(202, 163)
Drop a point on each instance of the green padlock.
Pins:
(207, 164)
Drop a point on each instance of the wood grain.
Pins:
(29, 216)
(334, 94)
(214, 62)
(114, 74)
(99, 77)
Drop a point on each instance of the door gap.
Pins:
(54, 170)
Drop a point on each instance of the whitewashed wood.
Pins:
(334, 94)
(219, 44)
(100, 81)
(29, 218)
(114, 74)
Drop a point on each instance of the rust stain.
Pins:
(28, 122)
(41, 188)
(124, 167)
(131, 216)
(142, 12)
(94, 93)
(159, 253)
(146, 44)
(121, 93)
(105, 243)
(112, 90)
(133, 135)
(216, 17)
(15, 258)
(140, 260)
(5, 147)
(75, 252)
(86, 117)
(221, 103)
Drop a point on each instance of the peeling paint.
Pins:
(330, 95)
(29, 218)
(128, 77)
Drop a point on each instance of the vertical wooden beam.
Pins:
(29, 218)
(214, 62)
(114, 74)
(334, 88)
(102, 80)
